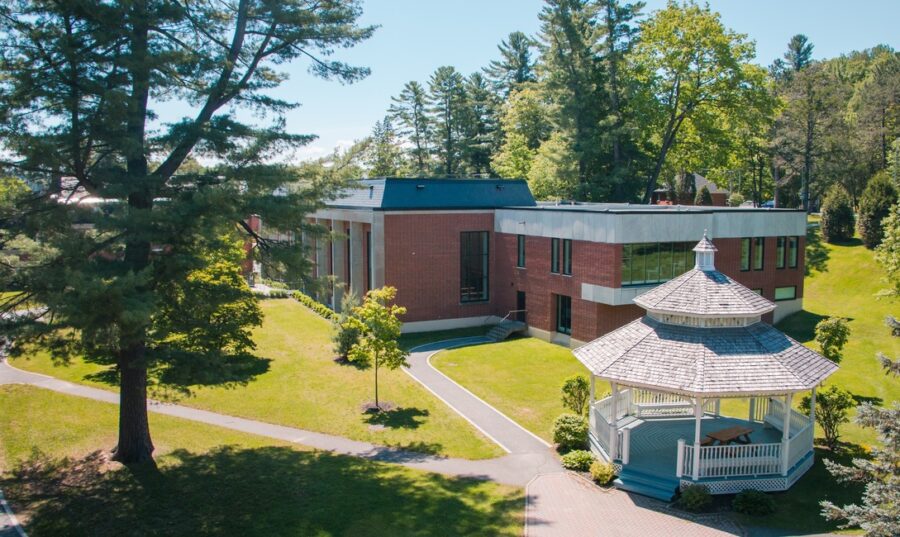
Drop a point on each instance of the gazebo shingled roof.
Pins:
(706, 360)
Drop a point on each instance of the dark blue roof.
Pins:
(398, 194)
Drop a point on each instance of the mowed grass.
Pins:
(521, 377)
(304, 387)
(211, 481)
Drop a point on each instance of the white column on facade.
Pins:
(378, 250)
(321, 252)
(614, 422)
(357, 258)
(339, 262)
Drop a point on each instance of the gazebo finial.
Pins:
(706, 253)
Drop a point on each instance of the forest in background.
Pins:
(608, 103)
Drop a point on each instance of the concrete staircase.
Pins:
(505, 329)
(647, 484)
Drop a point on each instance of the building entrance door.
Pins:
(520, 305)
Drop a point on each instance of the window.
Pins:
(745, 254)
(564, 314)
(759, 251)
(520, 251)
(567, 257)
(473, 266)
(785, 293)
(554, 256)
(757, 291)
(655, 262)
(780, 244)
(793, 244)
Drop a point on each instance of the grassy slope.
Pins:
(212, 481)
(305, 388)
(521, 377)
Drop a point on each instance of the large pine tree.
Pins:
(144, 280)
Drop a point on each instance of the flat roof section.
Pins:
(632, 208)
(409, 194)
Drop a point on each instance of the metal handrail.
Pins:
(505, 317)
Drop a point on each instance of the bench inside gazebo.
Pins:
(702, 342)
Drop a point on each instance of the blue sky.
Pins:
(417, 36)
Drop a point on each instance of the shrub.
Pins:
(831, 335)
(602, 472)
(703, 197)
(874, 206)
(579, 460)
(753, 502)
(346, 333)
(695, 498)
(831, 411)
(837, 216)
(736, 200)
(278, 293)
(317, 307)
(570, 432)
(575, 394)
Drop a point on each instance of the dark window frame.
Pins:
(520, 251)
(746, 244)
(780, 252)
(564, 314)
(566, 257)
(759, 253)
(554, 256)
(793, 251)
(793, 297)
(665, 260)
(466, 279)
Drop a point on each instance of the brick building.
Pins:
(467, 252)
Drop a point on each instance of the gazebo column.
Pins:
(593, 389)
(698, 416)
(812, 406)
(786, 434)
(614, 422)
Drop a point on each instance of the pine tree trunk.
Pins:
(135, 445)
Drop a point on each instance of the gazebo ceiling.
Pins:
(751, 360)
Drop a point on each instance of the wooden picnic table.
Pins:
(738, 433)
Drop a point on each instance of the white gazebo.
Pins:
(702, 341)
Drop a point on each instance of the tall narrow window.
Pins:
(567, 257)
(759, 252)
(473, 266)
(780, 252)
(564, 314)
(554, 256)
(793, 243)
(745, 254)
(520, 251)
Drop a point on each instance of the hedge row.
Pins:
(317, 307)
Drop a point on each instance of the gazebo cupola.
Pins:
(702, 340)
(704, 297)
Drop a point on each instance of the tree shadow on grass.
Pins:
(398, 418)
(860, 399)
(801, 325)
(263, 491)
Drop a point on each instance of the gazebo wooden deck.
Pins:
(702, 341)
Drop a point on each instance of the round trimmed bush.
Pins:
(736, 199)
(837, 216)
(578, 460)
(695, 498)
(602, 472)
(570, 431)
(753, 502)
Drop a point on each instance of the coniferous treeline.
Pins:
(608, 103)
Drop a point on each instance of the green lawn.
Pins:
(211, 481)
(305, 388)
(521, 377)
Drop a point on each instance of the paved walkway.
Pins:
(558, 503)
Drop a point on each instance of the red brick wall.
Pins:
(422, 261)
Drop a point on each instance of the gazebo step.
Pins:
(654, 486)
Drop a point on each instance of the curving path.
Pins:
(558, 503)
